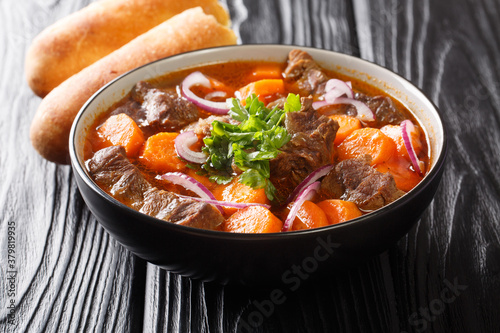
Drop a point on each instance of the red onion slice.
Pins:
(197, 78)
(313, 176)
(307, 194)
(319, 104)
(364, 112)
(340, 86)
(182, 143)
(334, 90)
(238, 205)
(191, 184)
(407, 128)
(332, 95)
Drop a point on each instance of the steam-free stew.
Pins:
(256, 147)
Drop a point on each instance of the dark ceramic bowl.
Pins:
(288, 257)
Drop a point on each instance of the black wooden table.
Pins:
(442, 277)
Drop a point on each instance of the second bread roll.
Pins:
(82, 38)
(190, 30)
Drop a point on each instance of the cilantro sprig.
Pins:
(250, 145)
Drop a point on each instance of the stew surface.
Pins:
(256, 147)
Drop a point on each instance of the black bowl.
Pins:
(286, 258)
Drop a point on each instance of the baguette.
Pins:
(190, 30)
(82, 38)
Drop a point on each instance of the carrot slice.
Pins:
(262, 88)
(121, 130)
(309, 216)
(400, 169)
(337, 211)
(369, 141)
(159, 153)
(347, 125)
(253, 219)
(394, 132)
(238, 192)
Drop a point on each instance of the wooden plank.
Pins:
(435, 277)
(324, 24)
(360, 298)
(357, 298)
(442, 277)
(70, 275)
(451, 52)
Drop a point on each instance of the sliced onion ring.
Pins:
(182, 143)
(304, 195)
(342, 87)
(200, 79)
(238, 205)
(313, 176)
(364, 112)
(192, 185)
(407, 128)
(331, 95)
(319, 104)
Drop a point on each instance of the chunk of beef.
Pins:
(140, 91)
(355, 180)
(384, 109)
(169, 207)
(204, 126)
(164, 109)
(310, 147)
(115, 174)
(304, 73)
(279, 103)
(134, 110)
(332, 186)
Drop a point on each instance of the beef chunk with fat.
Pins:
(303, 72)
(115, 174)
(277, 103)
(310, 147)
(169, 207)
(134, 110)
(164, 109)
(383, 107)
(355, 180)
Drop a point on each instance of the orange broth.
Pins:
(234, 75)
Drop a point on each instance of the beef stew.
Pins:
(322, 137)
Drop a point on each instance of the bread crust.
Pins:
(95, 31)
(190, 30)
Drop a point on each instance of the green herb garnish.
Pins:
(249, 145)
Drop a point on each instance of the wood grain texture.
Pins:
(70, 275)
(455, 245)
(451, 54)
(444, 276)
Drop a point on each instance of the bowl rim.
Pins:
(426, 181)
